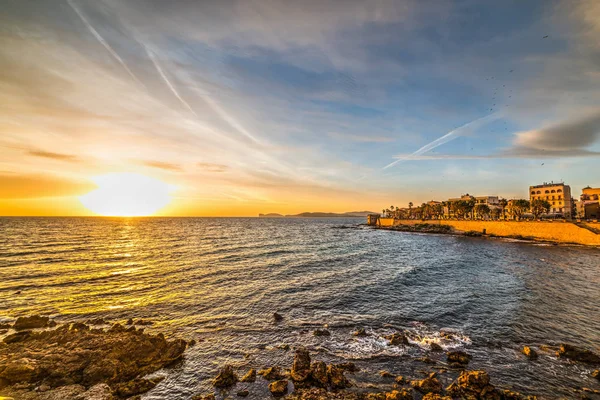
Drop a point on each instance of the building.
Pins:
(557, 194)
(373, 219)
(589, 203)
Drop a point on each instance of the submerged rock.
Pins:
(458, 357)
(321, 332)
(578, 354)
(277, 317)
(243, 393)
(278, 388)
(360, 332)
(301, 366)
(428, 385)
(529, 352)
(226, 377)
(435, 347)
(33, 322)
(250, 376)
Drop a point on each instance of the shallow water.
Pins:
(218, 280)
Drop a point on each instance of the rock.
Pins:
(578, 354)
(5, 326)
(336, 377)
(435, 347)
(318, 373)
(301, 366)
(428, 385)
(459, 357)
(360, 332)
(427, 360)
(400, 380)
(97, 321)
(129, 321)
(277, 317)
(143, 322)
(596, 374)
(33, 322)
(433, 396)
(348, 366)
(226, 378)
(284, 346)
(529, 352)
(474, 384)
(278, 388)
(19, 370)
(243, 393)
(271, 374)
(135, 386)
(100, 391)
(209, 396)
(321, 332)
(397, 339)
(250, 376)
(385, 374)
(104, 370)
(17, 337)
(402, 394)
(79, 326)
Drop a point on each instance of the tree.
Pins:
(503, 203)
(410, 206)
(496, 212)
(519, 207)
(539, 207)
(482, 210)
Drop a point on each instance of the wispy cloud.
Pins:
(365, 138)
(53, 156)
(212, 167)
(161, 165)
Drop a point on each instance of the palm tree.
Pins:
(503, 203)
(410, 206)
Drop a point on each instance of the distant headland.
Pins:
(358, 214)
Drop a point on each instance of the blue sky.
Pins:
(269, 106)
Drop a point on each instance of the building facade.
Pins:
(557, 194)
(589, 203)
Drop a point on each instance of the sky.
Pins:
(247, 107)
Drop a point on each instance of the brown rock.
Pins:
(209, 396)
(459, 357)
(277, 317)
(348, 366)
(435, 347)
(529, 352)
(400, 380)
(360, 332)
(336, 377)
(301, 366)
(403, 394)
(100, 391)
(473, 384)
(243, 393)
(33, 322)
(271, 373)
(433, 396)
(20, 370)
(5, 326)
(321, 332)
(318, 373)
(135, 387)
(596, 374)
(397, 339)
(226, 378)
(250, 376)
(385, 374)
(578, 354)
(428, 385)
(17, 337)
(278, 388)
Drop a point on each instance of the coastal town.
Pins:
(546, 201)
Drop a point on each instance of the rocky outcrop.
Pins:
(360, 332)
(225, 378)
(397, 339)
(250, 376)
(402, 394)
(77, 356)
(278, 388)
(277, 317)
(529, 352)
(435, 347)
(318, 373)
(321, 332)
(596, 374)
(33, 322)
(336, 377)
(578, 354)
(271, 374)
(458, 359)
(301, 366)
(428, 385)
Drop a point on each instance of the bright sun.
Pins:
(127, 195)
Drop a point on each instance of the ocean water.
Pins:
(219, 280)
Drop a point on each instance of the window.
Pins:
(547, 191)
(538, 192)
(533, 192)
(559, 191)
(553, 191)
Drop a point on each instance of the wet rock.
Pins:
(143, 322)
(459, 357)
(397, 339)
(427, 360)
(250, 376)
(336, 377)
(135, 387)
(596, 374)
(97, 321)
(225, 378)
(209, 396)
(385, 374)
(79, 326)
(403, 394)
(428, 385)
(348, 366)
(243, 393)
(400, 380)
(129, 321)
(474, 384)
(284, 346)
(318, 373)
(33, 322)
(5, 326)
(435, 347)
(321, 332)
(578, 354)
(360, 332)
(322, 394)
(278, 388)
(529, 352)
(277, 317)
(301, 366)
(271, 374)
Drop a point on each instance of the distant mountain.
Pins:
(319, 215)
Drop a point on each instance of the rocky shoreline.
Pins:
(98, 360)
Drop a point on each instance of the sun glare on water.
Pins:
(127, 195)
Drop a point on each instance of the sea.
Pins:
(219, 281)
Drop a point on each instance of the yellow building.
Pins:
(589, 204)
(557, 194)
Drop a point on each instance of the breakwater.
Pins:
(556, 231)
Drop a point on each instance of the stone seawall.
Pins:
(556, 231)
